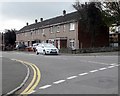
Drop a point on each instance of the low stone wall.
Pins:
(90, 50)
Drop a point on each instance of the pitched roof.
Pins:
(56, 20)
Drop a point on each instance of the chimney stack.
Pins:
(35, 20)
(27, 23)
(41, 19)
(64, 12)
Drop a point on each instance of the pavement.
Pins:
(13, 75)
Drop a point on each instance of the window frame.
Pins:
(58, 28)
(72, 26)
(51, 29)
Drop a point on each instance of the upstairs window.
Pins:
(43, 31)
(58, 28)
(63, 28)
(51, 29)
(72, 26)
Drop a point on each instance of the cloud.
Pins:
(23, 12)
(29, 10)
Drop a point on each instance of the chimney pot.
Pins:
(64, 12)
(27, 23)
(35, 20)
(41, 19)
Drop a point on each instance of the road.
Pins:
(13, 74)
(66, 74)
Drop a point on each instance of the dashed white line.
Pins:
(72, 77)
(60, 81)
(83, 74)
(44, 87)
(111, 66)
(102, 68)
(93, 71)
(116, 65)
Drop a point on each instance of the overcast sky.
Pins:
(14, 15)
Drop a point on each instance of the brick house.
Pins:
(63, 31)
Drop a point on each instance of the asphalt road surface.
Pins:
(13, 74)
(66, 74)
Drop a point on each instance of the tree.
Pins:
(10, 38)
(90, 17)
(112, 11)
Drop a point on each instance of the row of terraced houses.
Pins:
(62, 31)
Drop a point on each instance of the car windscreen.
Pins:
(49, 46)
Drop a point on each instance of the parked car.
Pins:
(20, 47)
(46, 48)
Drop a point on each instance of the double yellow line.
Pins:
(35, 80)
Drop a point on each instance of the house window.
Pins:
(58, 28)
(51, 29)
(63, 28)
(72, 26)
(43, 31)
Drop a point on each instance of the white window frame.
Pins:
(51, 29)
(58, 28)
(43, 31)
(72, 26)
(64, 28)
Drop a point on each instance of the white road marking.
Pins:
(116, 65)
(102, 68)
(44, 87)
(111, 66)
(72, 77)
(93, 71)
(60, 81)
(83, 74)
